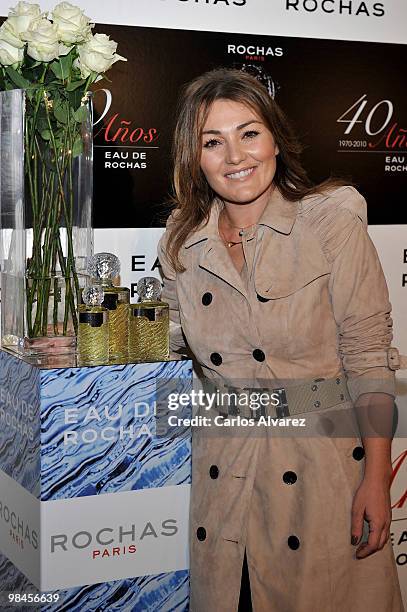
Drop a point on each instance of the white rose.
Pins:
(73, 26)
(8, 35)
(9, 54)
(22, 16)
(42, 38)
(97, 55)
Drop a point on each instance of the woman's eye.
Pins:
(209, 144)
(251, 134)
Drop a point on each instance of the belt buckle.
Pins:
(282, 408)
(393, 358)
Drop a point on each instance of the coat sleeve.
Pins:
(169, 295)
(360, 299)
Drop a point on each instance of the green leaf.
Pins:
(46, 135)
(66, 64)
(17, 78)
(57, 70)
(62, 66)
(75, 84)
(60, 113)
(77, 148)
(80, 114)
(74, 98)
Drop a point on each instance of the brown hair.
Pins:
(193, 195)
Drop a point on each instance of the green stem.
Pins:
(48, 211)
(68, 219)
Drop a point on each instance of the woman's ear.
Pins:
(276, 150)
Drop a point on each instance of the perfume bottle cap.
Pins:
(104, 266)
(93, 296)
(149, 289)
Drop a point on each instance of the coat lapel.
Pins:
(216, 260)
(214, 256)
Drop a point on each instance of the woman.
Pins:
(275, 284)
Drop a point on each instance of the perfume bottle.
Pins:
(149, 326)
(93, 328)
(104, 267)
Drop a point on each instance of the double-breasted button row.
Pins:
(216, 358)
(207, 298)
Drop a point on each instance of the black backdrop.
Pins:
(316, 82)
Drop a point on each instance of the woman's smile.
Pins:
(241, 174)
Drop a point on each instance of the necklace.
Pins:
(230, 243)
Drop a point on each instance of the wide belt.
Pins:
(315, 394)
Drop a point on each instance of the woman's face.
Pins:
(238, 155)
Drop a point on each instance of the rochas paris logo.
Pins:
(337, 7)
(112, 541)
(255, 50)
(19, 530)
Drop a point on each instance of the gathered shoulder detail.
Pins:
(333, 216)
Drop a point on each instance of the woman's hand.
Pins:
(372, 502)
(372, 498)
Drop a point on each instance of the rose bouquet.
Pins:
(55, 58)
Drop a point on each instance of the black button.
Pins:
(259, 355)
(201, 533)
(207, 298)
(214, 471)
(262, 299)
(216, 359)
(290, 477)
(293, 542)
(358, 453)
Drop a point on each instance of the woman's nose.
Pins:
(235, 153)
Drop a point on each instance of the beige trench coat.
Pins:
(313, 302)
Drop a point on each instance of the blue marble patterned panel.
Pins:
(20, 421)
(95, 396)
(160, 593)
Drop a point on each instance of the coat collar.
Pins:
(279, 214)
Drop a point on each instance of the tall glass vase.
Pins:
(46, 159)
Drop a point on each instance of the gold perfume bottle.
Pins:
(104, 267)
(93, 328)
(149, 327)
